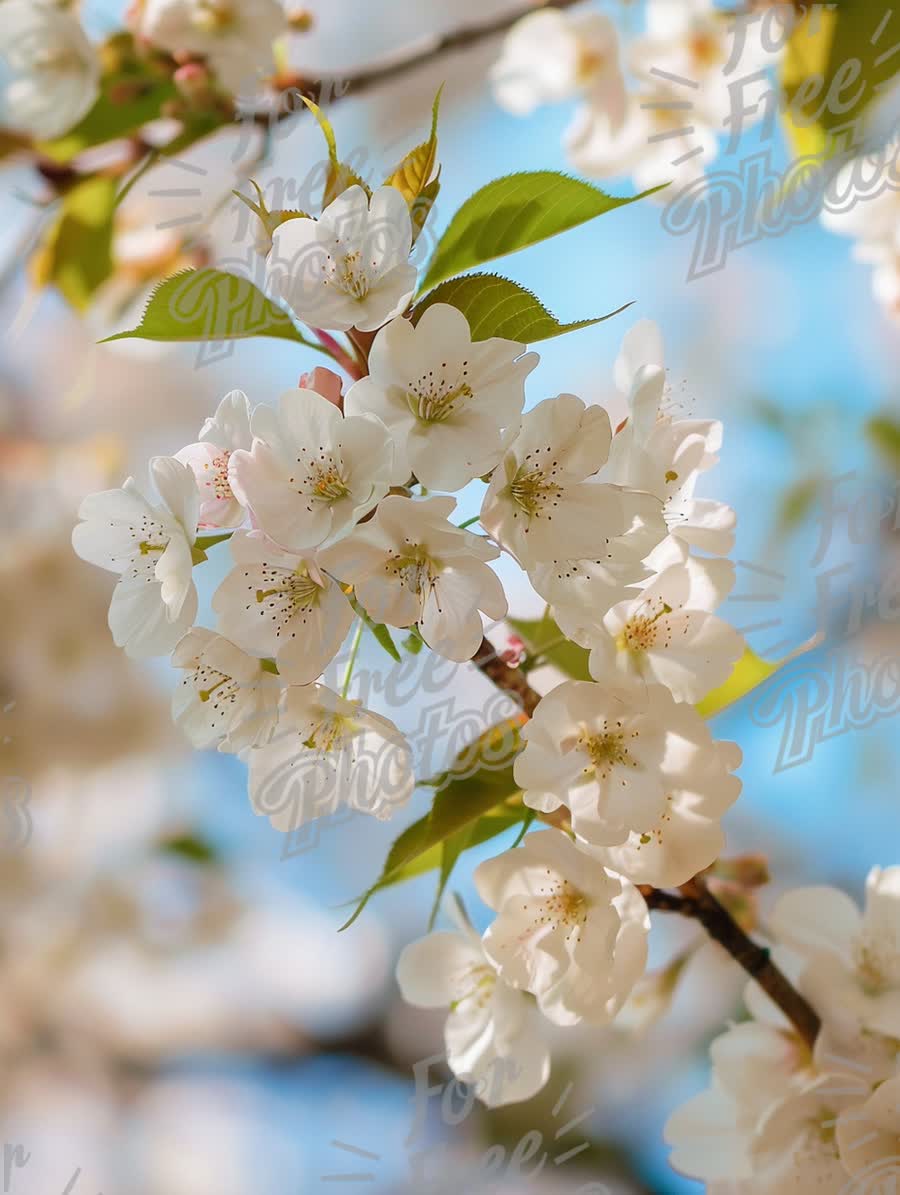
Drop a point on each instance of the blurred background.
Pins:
(177, 1011)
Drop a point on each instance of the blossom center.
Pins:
(415, 571)
(329, 732)
(352, 275)
(324, 480)
(434, 401)
(213, 16)
(475, 984)
(607, 750)
(568, 905)
(219, 479)
(215, 686)
(299, 589)
(532, 489)
(705, 49)
(643, 631)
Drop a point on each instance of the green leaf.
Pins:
(543, 638)
(414, 642)
(189, 846)
(76, 254)
(211, 305)
(340, 176)
(884, 432)
(833, 45)
(480, 780)
(494, 306)
(379, 630)
(748, 674)
(513, 212)
(414, 173)
(129, 99)
(421, 209)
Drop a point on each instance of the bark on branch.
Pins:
(695, 900)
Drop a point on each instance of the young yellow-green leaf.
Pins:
(513, 212)
(884, 432)
(76, 253)
(414, 173)
(545, 640)
(379, 630)
(210, 305)
(748, 674)
(480, 780)
(495, 306)
(421, 209)
(340, 176)
(849, 49)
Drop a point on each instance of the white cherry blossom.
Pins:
(492, 1033)
(661, 636)
(795, 1149)
(235, 36)
(652, 142)
(868, 1135)
(688, 837)
(150, 546)
(52, 72)
(872, 219)
(410, 564)
(544, 502)
(551, 56)
(277, 604)
(570, 932)
(753, 1068)
(615, 755)
(311, 473)
(695, 40)
(850, 959)
(348, 269)
(665, 456)
(446, 400)
(225, 698)
(209, 458)
(328, 752)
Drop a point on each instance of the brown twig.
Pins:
(511, 680)
(695, 900)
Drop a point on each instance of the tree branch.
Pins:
(426, 51)
(696, 901)
(511, 680)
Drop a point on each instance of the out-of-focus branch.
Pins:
(429, 49)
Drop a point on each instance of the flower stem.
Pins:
(695, 900)
(339, 354)
(469, 522)
(354, 652)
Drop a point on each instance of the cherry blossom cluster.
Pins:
(53, 76)
(784, 1118)
(338, 506)
(653, 113)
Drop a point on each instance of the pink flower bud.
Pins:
(192, 80)
(325, 382)
(514, 653)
